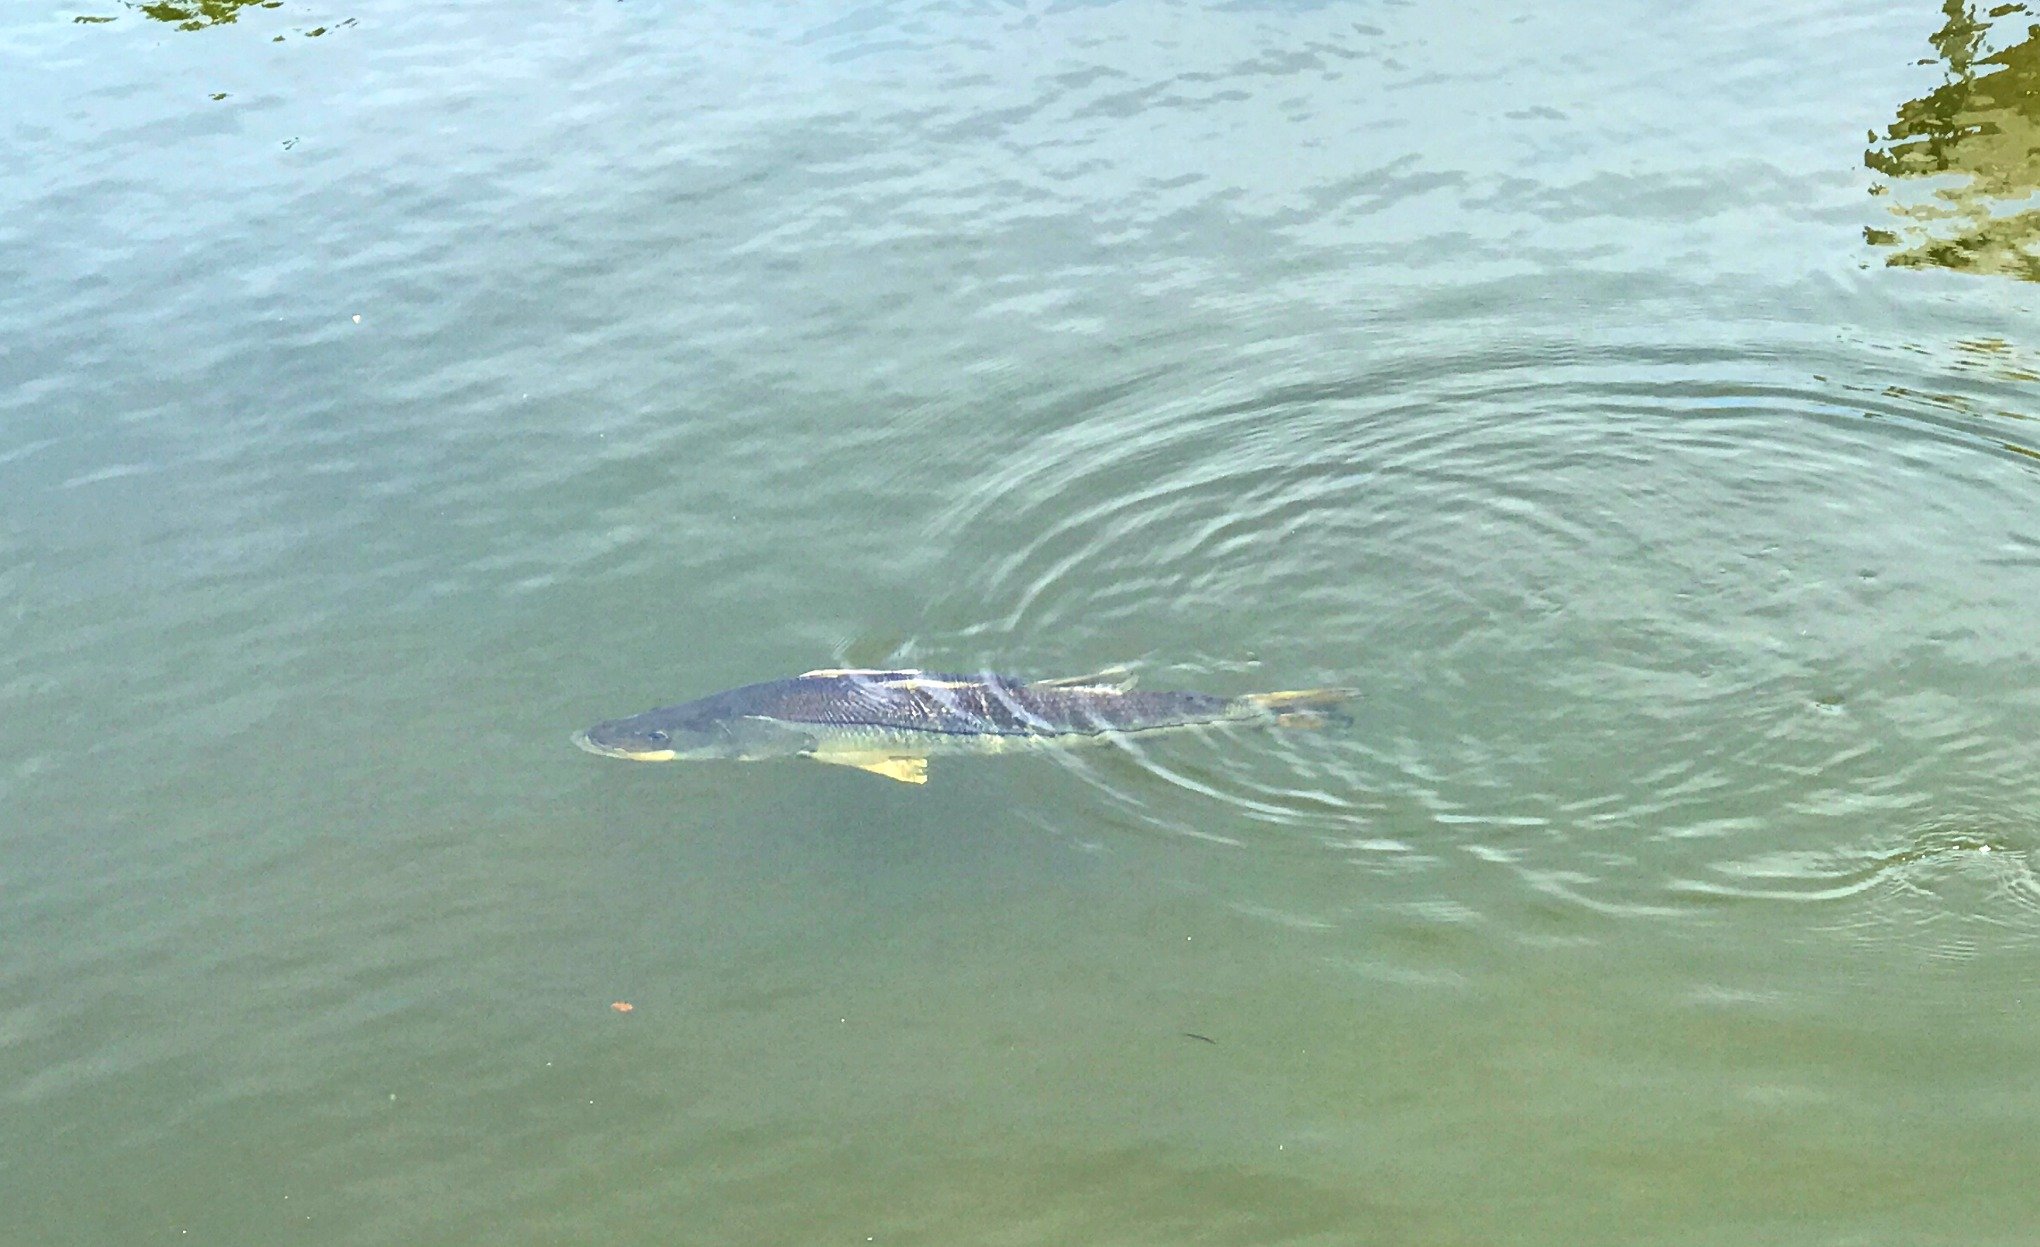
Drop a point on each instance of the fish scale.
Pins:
(969, 705)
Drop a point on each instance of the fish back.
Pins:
(971, 705)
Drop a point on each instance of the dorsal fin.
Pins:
(1111, 679)
(918, 681)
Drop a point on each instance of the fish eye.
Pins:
(657, 737)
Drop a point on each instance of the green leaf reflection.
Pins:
(199, 14)
(1961, 166)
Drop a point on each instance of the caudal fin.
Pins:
(1304, 707)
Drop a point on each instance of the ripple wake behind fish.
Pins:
(1603, 602)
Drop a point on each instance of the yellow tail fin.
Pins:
(1304, 707)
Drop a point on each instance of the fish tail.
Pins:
(1303, 707)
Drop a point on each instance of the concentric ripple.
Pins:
(1610, 608)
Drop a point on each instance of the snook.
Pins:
(891, 722)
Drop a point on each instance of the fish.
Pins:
(891, 722)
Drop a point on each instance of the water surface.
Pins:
(391, 390)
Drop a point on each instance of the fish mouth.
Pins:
(581, 740)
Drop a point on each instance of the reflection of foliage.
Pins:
(202, 14)
(199, 14)
(1995, 357)
(1963, 163)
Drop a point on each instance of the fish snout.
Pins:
(653, 750)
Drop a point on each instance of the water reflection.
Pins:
(199, 14)
(206, 14)
(1962, 164)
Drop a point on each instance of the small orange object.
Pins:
(623, 1006)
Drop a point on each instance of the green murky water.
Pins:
(1637, 406)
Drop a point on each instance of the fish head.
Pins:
(675, 735)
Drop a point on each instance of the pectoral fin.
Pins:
(905, 770)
